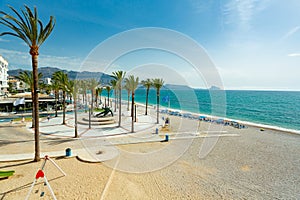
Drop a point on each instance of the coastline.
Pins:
(247, 123)
(162, 108)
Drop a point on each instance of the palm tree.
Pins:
(92, 85)
(147, 84)
(119, 76)
(114, 86)
(98, 92)
(55, 87)
(73, 88)
(31, 30)
(62, 79)
(108, 88)
(157, 84)
(27, 78)
(132, 84)
(126, 86)
(83, 86)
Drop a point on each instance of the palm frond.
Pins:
(27, 26)
(22, 28)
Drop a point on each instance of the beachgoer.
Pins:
(48, 117)
(23, 119)
(167, 122)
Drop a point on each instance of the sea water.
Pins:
(274, 108)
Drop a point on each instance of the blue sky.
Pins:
(254, 44)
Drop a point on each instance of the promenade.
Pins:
(56, 137)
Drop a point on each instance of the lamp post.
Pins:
(89, 116)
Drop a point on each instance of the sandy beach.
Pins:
(246, 164)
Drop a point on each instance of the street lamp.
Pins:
(89, 116)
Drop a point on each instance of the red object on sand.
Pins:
(39, 174)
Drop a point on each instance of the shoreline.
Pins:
(161, 108)
(247, 123)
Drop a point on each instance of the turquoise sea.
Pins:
(274, 108)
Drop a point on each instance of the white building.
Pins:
(48, 81)
(3, 75)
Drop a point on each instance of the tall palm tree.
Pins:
(92, 85)
(98, 93)
(114, 87)
(55, 87)
(157, 84)
(31, 30)
(27, 78)
(119, 76)
(147, 84)
(108, 89)
(84, 87)
(132, 84)
(126, 87)
(73, 89)
(62, 79)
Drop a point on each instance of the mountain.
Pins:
(177, 87)
(48, 71)
(214, 88)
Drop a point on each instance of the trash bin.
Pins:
(68, 152)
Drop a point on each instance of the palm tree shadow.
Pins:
(7, 142)
(17, 164)
(60, 141)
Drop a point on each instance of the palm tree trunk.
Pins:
(128, 95)
(115, 100)
(82, 98)
(92, 104)
(157, 100)
(75, 113)
(100, 100)
(34, 59)
(132, 112)
(64, 107)
(147, 93)
(120, 104)
(85, 101)
(32, 126)
(96, 98)
(56, 99)
(108, 98)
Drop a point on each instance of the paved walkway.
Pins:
(99, 143)
(95, 146)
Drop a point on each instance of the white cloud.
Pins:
(294, 54)
(23, 60)
(241, 12)
(201, 6)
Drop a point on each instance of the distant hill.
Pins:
(105, 78)
(214, 88)
(177, 87)
(170, 87)
(48, 71)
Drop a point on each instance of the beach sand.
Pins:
(253, 165)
